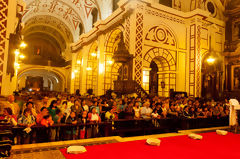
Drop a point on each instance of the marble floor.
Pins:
(51, 150)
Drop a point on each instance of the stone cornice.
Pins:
(127, 7)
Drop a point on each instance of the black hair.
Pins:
(26, 110)
(58, 111)
(9, 110)
(52, 102)
(46, 116)
(29, 103)
(43, 108)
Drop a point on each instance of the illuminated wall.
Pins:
(176, 39)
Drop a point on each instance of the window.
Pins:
(115, 6)
(166, 2)
(211, 7)
(37, 50)
(80, 28)
(94, 15)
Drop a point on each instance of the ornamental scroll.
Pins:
(160, 34)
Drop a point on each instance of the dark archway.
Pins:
(211, 78)
(153, 79)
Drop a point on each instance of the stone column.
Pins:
(101, 65)
(7, 25)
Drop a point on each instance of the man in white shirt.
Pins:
(234, 106)
(146, 111)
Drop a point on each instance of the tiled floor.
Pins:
(51, 150)
(52, 154)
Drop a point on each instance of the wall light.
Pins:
(93, 54)
(210, 60)
(23, 45)
(78, 62)
(73, 75)
(110, 62)
(101, 68)
(22, 56)
(17, 52)
(89, 68)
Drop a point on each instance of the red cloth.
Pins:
(212, 146)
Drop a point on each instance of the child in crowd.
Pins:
(72, 119)
(83, 120)
(47, 121)
(93, 117)
(57, 118)
(27, 120)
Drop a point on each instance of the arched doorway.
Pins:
(211, 77)
(153, 79)
(40, 80)
(162, 71)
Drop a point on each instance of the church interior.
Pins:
(113, 74)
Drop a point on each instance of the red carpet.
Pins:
(212, 146)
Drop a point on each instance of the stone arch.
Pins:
(41, 71)
(92, 68)
(169, 60)
(166, 63)
(111, 68)
(78, 72)
(211, 76)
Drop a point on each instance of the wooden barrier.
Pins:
(121, 127)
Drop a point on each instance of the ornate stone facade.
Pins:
(3, 35)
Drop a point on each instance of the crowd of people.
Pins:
(59, 108)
